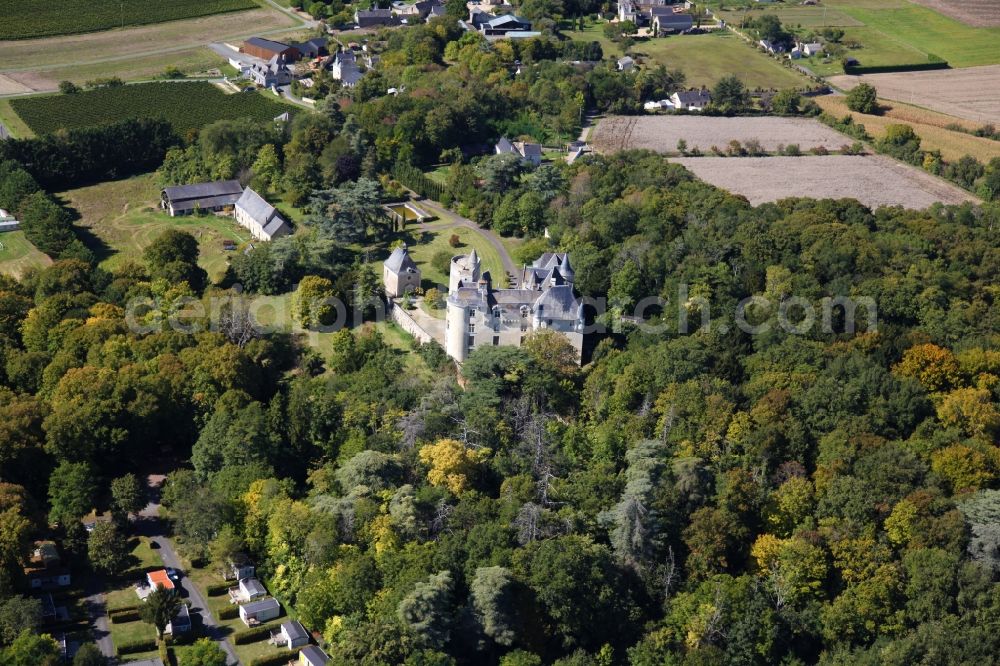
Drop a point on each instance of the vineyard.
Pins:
(185, 105)
(24, 19)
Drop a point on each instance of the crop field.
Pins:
(704, 59)
(977, 13)
(812, 16)
(931, 126)
(973, 93)
(121, 218)
(17, 254)
(661, 133)
(874, 180)
(185, 105)
(25, 19)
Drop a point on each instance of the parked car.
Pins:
(173, 574)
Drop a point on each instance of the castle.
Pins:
(481, 315)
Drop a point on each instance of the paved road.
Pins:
(100, 628)
(447, 219)
(155, 529)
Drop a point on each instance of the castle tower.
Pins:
(457, 322)
(465, 269)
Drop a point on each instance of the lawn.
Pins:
(704, 59)
(424, 245)
(185, 104)
(121, 218)
(25, 19)
(17, 254)
(13, 122)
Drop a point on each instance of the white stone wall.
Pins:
(407, 323)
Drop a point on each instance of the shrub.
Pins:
(217, 590)
(820, 150)
(230, 613)
(144, 645)
(441, 261)
(278, 659)
(433, 299)
(793, 150)
(253, 635)
(454, 240)
(68, 88)
(123, 609)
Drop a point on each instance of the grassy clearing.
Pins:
(186, 105)
(704, 59)
(929, 125)
(17, 127)
(123, 217)
(17, 254)
(425, 244)
(25, 19)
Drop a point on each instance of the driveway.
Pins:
(155, 529)
(447, 219)
(96, 608)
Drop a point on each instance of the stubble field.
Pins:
(972, 93)
(874, 180)
(661, 133)
(977, 13)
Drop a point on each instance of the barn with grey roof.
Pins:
(207, 197)
(260, 218)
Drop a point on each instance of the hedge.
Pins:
(145, 645)
(886, 69)
(278, 659)
(230, 613)
(217, 590)
(254, 635)
(127, 616)
(413, 178)
(123, 609)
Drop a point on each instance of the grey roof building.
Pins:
(344, 68)
(368, 18)
(313, 656)
(400, 274)
(260, 218)
(274, 72)
(215, 196)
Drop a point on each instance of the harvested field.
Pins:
(977, 13)
(874, 180)
(661, 133)
(972, 93)
(930, 126)
(9, 86)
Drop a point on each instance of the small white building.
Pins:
(529, 152)
(291, 635)
(811, 49)
(257, 612)
(260, 218)
(239, 567)
(248, 589)
(625, 64)
(181, 624)
(312, 656)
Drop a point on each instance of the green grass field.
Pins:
(24, 19)
(704, 59)
(123, 218)
(424, 245)
(186, 105)
(17, 254)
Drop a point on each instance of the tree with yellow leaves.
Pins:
(936, 368)
(451, 464)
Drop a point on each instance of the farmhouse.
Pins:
(260, 218)
(312, 656)
(400, 273)
(811, 49)
(274, 72)
(256, 612)
(479, 315)
(265, 49)
(185, 199)
(692, 100)
(530, 152)
(371, 18)
(291, 635)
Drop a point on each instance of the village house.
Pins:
(373, 18)
(664, 20)
(239, 567)
(274, 72)
(291, 635)
(691, 100)
(312, 656)
(181, 624)
(344, 68)
(200, 197)
(257, 612)
(45, 570)
(530, 152)
(400, 273)
(480, 315)
(260, 218)
(811, 49)
(7, 222)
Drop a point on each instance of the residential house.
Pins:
(373, 18)
(501, 25)
(248, 589)
(771, 47)
(291, 634)
(7, 222)
(630, 11)
(400, 273)
(239, 567)
(419, 9)
(260, 218)
(312, 656)
(257, 612)
(274, 72)
(200, 197)
(530, 152)
(45, 569)
(480, 315)
(625, 64)
(436, 10)
(159, 578)
(691, 100)
(344, 68)
(265, 49)
(664, 20)
(811, 49)
(181, 624)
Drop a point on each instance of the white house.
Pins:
(181, 624)
(259, 217)
(692, 100)
(530, 152)
(239, 567)
(291, 634)
(625, 64)
(7, 222)
(812, 48)
(312, 656)
(256, 612)
(248, 589)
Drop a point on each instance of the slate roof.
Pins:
(557, 303)
(508, 19)
(294, 630)
(258, 606)
(504, 146)
(529, 149)
(253, 587)
(262, 212)
(676, 21)
(220, 188)
(268, 44)
(687, 97)
(400, 260)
